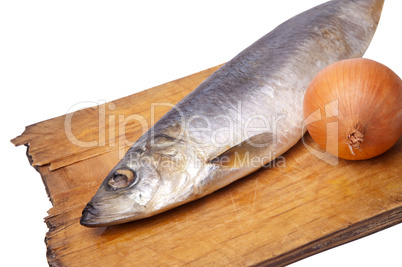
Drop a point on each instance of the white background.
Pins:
(54, 54)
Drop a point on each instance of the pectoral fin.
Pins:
(247, 153)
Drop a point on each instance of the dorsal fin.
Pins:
(245, 154)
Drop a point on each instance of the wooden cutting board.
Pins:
(299, 205)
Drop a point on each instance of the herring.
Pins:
(243, 116)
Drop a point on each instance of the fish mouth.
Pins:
(92, 217)
(89, 216)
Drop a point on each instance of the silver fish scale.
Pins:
(259, 93)
(270, 77)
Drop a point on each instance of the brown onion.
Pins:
(352, 109)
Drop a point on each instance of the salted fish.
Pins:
(243, 116)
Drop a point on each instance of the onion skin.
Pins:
(352, 109)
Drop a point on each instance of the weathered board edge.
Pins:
(50, 256)
(341, 237)
(55, 163)
(351, 233)
(36, 167)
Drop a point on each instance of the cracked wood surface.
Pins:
(298, 206)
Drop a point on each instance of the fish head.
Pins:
(152, 177)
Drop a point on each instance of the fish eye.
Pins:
(122, 178)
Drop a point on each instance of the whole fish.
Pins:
(243, 116)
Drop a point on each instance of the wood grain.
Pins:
(298, 206)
